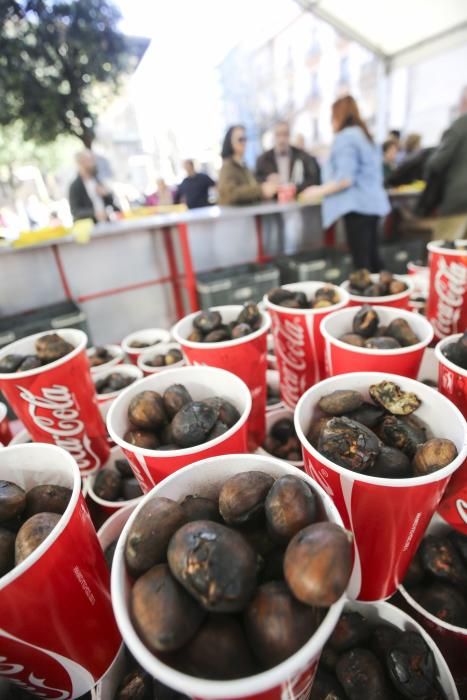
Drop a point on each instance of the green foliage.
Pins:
(59, 61)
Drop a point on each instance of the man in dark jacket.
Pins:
(287, 163)
(88, 197)
(194, 189)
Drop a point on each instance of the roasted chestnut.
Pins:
(340, 401)
(441, 559)
(147, 411)
(200, 508)
(30, 362)
(47, 498)
(317, 564)
(351, 630)
(136, 685)
(434, 454)
(361, 675)
(290, 506)
(349, 444)
(142, 438)
(32, 533)
(113, 382)
(382, 343)
(279, 295)
(360, 279)
(443, 601)
(107, 484)
(411, 666)
(192, 424)
(394, 399)
(215, 564)
(353, 339)
(12, 500)
(217, 336)
(175, 397)
(365, 321)
(207, 321)
(368, 414)
(242, 497)
(402, 332)
(404, 433)
(277, 624)
(130, 489)
(10, 363)
(226, 412)
(326, 686)
(455, 352)
(52, 347)
(123, 467)
(251, 315)
(391, 463)
(100, 356)
(7, 551)
(150, 534)
(164, 614)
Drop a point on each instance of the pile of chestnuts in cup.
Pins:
(165, 359)
(49, 348)
(100, 356)
(113, 382)
(282, 441)
(141, 344)
(325, 296)
(437, 576)
(228, 587)
(456, 352)
(375, 661)
(361, 284)
(27, 518)
(117, 483)
(174, 421)
(137, 684)
(368, 333)
(209, 327)
(383, 439)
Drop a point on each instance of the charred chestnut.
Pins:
(207, 321)
(146, 410)
(12, 500)
(52, 347)
(290, 506)
(150, 534)
(368, 414)
(391, 463)
(340, 401)
(226, 412)
(441, 559)
(394, 399)
(215, 564)
(251, 315)
(175, 397)
(361, 674)
(317, 564)
(164, 614)
(365, 321)
(276, 624)
(411, 666)
(192, 424)
(443, 601)
(351, 630)
(434, 454)
(242, 497)
(404, 433)
(349, 444)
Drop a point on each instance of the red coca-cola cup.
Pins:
(385, 515)
(150, 336)
(144, 360)
(117, 358)
(400, 300)
(291, 679)
(451, 640)
(286, 193)
(151, 466)
(382, 614)
(342, 357)
(57, 402)
(452, 382)
(105, 400)
(298, 342)
(58, 634)
(447, 298)
(108, 508)
(245, 357)
(5, 432)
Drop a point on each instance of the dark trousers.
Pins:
(362, 238)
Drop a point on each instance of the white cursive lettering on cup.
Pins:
(462, 509)
(289, 343)
(34, 684)
(62, 422)
(450, 284)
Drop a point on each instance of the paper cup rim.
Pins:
(442, 359)
(423, 611)
(115, 505)
(264, 328)
(211, 689)
(67, 334)
(387, 298)
(27, 563)
(137, 351)
(3, 411)
(374, 377)
(375, 352)
(164, 454)
(437, 247)
(311, 285)
(131, 370)
(150, 369)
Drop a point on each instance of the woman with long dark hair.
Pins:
(353, 184)
(237, 184)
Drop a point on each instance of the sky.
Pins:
(177, 84)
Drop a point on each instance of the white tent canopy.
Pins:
(400, 31)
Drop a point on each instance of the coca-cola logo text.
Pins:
(289, 343)
(55, 412)
(33, 684)
(450, 285)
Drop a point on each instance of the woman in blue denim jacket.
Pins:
(353, 184)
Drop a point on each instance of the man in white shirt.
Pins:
(89, 199)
